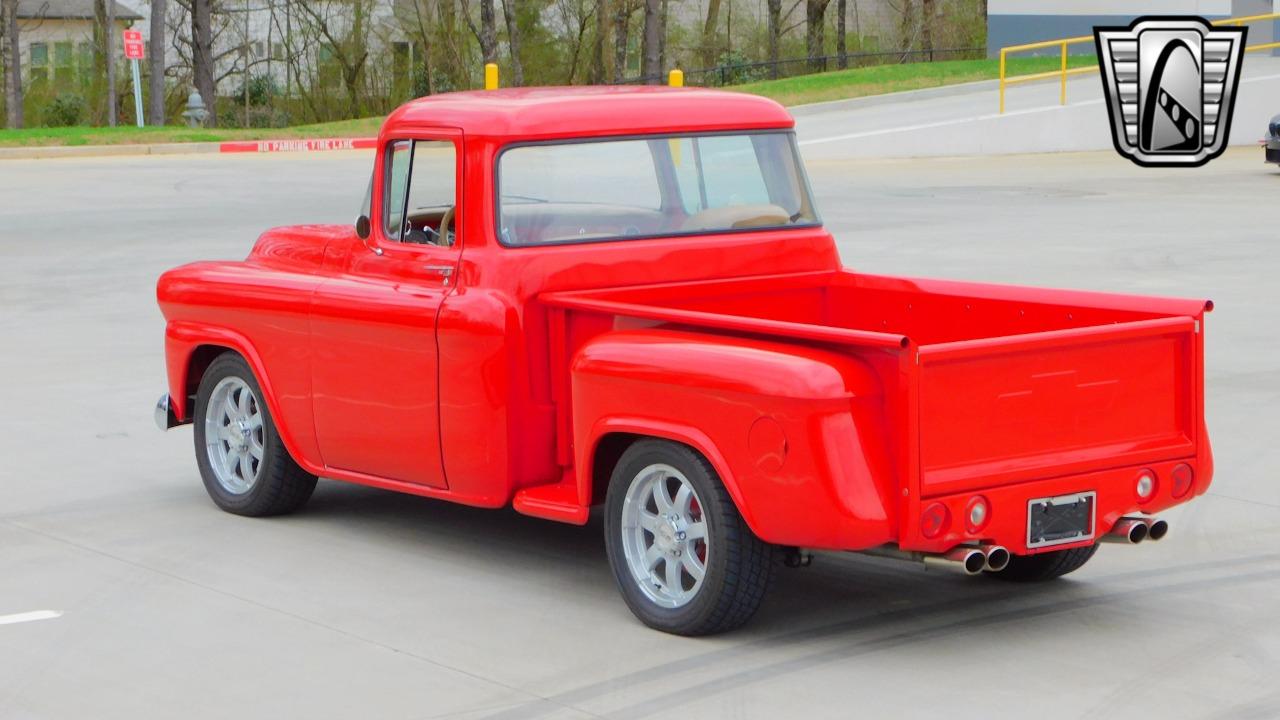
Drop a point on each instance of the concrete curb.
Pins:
(82, 151)
(236, 146)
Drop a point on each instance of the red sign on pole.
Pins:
(133, 45)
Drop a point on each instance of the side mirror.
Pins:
(362, 227)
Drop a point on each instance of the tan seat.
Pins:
(737, 217)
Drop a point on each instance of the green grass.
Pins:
(880, 79)
(32, 137)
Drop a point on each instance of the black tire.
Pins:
(1046, 566)
(281, 486)
(739, 566)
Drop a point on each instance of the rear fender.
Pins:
(793, 431)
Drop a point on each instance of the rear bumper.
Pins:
(1272, 150)
(1115, 497)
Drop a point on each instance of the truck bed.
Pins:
(986, 385)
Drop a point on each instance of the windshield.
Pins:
(621, 189)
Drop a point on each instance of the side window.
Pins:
(421, 191)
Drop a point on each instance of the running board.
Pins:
(554, 501)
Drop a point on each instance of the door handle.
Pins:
(444, 271)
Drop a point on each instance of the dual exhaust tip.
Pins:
(968, 559)
(973, 560)
(1133, 530)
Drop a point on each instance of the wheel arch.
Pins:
(191, 348)
(611, 436)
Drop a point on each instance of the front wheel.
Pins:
(684, 559)
(245, 466)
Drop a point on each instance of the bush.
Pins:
(231, 115)
(65, 110)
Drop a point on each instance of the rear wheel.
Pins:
(245, 466)
(684, 559)
(1045, 566)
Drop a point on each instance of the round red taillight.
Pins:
(1145, 486)
(1183, 477)
(935, 520)
(977, 513)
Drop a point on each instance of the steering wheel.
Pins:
(444, 236)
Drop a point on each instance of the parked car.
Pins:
(558, 299)
(1271, 143)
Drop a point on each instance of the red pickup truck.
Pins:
(557, 299)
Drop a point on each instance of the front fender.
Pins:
(794, 432)
(183, 338)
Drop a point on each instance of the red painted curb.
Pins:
(297, 145)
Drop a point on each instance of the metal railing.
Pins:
(1063, 72)
(737, 73)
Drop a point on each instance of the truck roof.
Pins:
(591, 111)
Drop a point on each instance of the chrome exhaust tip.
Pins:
(997, 557)
(968, 560)
(1157, 528)
(1128, 531)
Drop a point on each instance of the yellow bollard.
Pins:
(1064, 73)
(491, 76)
(675, 78)
(1002, 82)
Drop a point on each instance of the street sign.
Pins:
(133, 45)
(134, 49)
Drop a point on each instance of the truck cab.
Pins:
(625, 299)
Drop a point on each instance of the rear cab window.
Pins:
(617, 189)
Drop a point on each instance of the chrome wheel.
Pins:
(233, 435)
(664, 535)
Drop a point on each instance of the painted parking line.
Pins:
(32, 616)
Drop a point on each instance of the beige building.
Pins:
(57, 39)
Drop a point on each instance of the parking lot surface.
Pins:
(371, 604)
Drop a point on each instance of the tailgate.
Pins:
(1003, 410)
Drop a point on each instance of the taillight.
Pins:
(1146, 485)
(977, 514)
(1183, 477)
(935, 520)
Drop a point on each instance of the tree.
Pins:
(350, 50)
(487, 33)
(815, 37)
(13, 63)
(109, 49)
(621, 34)
(842, 49)
(651, 50)
(513, 41)
(156, 62)
(710, 51)
(599, 73)
(775, 32)
(202, 59)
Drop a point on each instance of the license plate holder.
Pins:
(1060, 520)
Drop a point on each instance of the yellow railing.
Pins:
(1063, 72)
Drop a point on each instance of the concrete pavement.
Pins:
(370, 604)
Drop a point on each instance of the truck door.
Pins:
(373, 326)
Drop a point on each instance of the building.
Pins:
(1014, 22)
(56, 39)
